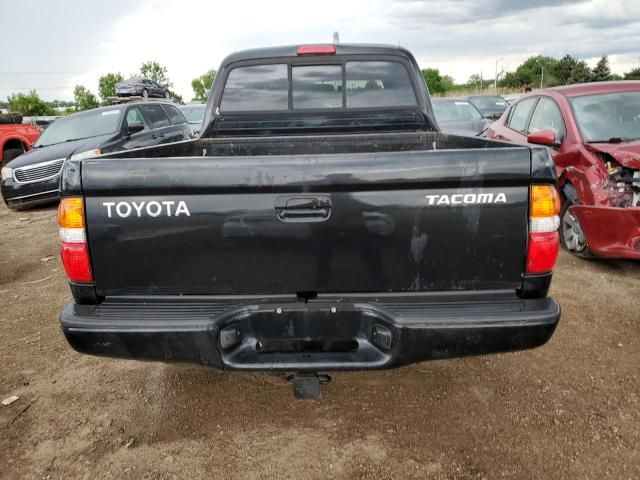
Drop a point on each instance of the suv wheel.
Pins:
(145, 94)
(10, 154)
(167, 95)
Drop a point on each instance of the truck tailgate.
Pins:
(426, 220)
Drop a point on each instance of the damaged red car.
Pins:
(593, 131)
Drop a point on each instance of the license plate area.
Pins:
(305, 345)
(304, 337)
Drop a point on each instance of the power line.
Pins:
(49, 73)
(35, 88)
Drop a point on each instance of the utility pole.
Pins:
(495, 79)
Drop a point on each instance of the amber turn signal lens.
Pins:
(71, 213)
(545, 201)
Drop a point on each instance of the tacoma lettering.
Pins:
(466, 198)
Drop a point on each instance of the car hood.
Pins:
(487, 112)
(468, 128)
(626, 154)
(59, 150)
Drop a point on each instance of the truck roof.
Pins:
(341, 49)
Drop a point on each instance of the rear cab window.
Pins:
(256, 88)
(316, 86)
(337, 85)
(378, 84)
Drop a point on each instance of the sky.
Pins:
(59, 44)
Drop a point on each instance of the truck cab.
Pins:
(318, 89)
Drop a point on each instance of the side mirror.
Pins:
(544, 137)
(134, 128)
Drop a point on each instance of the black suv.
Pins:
(33, 178)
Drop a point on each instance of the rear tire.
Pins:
(572, 237)
(145, 94)
(167, 95)
(9, 154)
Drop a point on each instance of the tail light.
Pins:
(73, 247)
(316, 50)
(544, 220)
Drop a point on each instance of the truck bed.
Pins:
(363, 214)
(314, 144)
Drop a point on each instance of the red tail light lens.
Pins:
(544, 240)
(73, 248)
(543, 252)
(317, 50)
(75, 258)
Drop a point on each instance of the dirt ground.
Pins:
(570, 409)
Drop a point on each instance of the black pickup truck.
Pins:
(321, 222)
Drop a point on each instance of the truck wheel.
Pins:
(145, 94)
(167, 95)
(10, 154)
(572, 237)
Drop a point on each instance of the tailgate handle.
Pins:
(303, 209)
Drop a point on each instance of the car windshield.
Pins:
(490, 103)
(608, 117)
(455, 111)
(81, 125)
(194, 113)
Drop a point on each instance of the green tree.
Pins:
(602, 71)
(84, 99)
(202, 85)
(529, 73)
(562, 69)
(448, 83)
(29, 104)
(633, 74)
(107, 85)
(580, 73)
(476, 81)
(156, 73)
(433, 80)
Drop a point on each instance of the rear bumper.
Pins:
(611, 232)
(322, 335)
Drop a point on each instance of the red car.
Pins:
(593, 131)
(15, 138)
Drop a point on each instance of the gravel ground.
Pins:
(567, 410)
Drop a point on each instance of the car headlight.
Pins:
(6, 173)
(87, 154)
